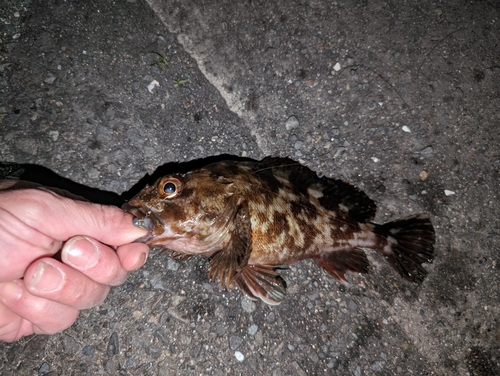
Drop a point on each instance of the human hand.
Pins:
(39, 293)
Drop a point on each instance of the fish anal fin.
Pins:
(229, 261)
(262, 282)
(337, 263)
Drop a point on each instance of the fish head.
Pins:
(187, 213)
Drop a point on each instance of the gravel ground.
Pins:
(398, 98)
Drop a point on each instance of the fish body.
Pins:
(252, 217)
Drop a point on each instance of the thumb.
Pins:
(61, 217)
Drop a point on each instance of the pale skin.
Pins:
(40, 293)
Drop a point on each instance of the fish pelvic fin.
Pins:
(178, 256)
(262, 282)
(339, 262)
(410, 243)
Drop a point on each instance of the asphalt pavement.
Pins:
(398, 98)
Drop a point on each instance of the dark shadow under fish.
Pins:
(252, 217)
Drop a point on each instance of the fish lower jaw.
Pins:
(185, 245)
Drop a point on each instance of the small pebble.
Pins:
(137, 315)
(220, 330)
(448, 193)
(337, 67)
(54, 135)
(352, 305)
(375, 159)
(113, 346)
(378, 366)
(427, 150)
(44, 369)
(172, 265)
(291, 122)
(88, 350)
(248, 305)
(50, 79)
(406, 129)
(423, 175)
(253, 329)
(239, 356)
(235, 342)
(271, 317)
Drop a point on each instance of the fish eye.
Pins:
(169, 187)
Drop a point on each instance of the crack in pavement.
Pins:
(200, 53)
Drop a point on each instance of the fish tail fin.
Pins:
(410, 243)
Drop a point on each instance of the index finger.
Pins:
(61, 218)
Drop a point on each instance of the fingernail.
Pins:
(80, 252)
(10, 291)
(140, 262)
(47, 278)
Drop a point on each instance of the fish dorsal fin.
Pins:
(228, 262)
(335, 194)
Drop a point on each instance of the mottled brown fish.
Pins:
(252, 217)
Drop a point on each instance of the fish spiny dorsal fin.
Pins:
(336, 194)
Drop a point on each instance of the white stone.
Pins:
(54, 135)
(239, 356)
(152, 85)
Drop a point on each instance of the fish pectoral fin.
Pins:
(337, 263)
(231, 260)
(262, 282)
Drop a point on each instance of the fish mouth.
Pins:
(146, 220)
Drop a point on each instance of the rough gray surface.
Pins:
(400, 99)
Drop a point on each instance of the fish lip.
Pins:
(134, 210)
(143, 220)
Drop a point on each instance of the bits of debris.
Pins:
(152, 85)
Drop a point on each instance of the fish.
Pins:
(252, 218)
